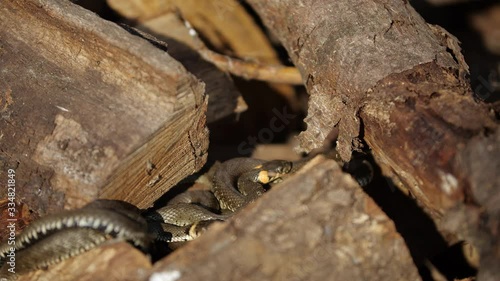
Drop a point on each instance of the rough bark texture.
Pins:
(81, 98)
(313, 226)
(377, 63)
(344, 51)
(484, 182)
(421, 134)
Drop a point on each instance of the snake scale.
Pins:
(53, 238)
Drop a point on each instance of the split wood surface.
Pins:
(92, 111)
(89, 110)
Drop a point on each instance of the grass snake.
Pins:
(234, 184)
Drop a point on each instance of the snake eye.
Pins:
(285, 168)
(256, 177)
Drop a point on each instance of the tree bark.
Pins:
(81, 99)
(379, 72)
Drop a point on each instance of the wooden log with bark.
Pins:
(375, 71)
(317, 218)
(89, 110)
(315, 225)
(379, 73)
(241, 37)
(382, 66)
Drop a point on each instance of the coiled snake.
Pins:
(53, 238)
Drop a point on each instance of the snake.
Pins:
(235, 183)
(56, 237)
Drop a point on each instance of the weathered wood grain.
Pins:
(81, 98)
(380, 64)
(380, 74)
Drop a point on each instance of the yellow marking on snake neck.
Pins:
(263, 177)
(192, 231)
(258, 167)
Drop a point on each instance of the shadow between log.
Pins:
(426, 244)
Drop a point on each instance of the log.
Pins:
(224, 99)
(315, 225)
(224, 24)
(381, 65)
(480, 225)
(113, 262)
(82, 100)
(380, 74)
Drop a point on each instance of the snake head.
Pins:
(273, 170)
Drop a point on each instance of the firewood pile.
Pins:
(134, 100)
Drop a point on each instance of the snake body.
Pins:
(178, 221)
(53, 238)
(250, 174)
(235, 183)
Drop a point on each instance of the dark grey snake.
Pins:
(53, 238)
